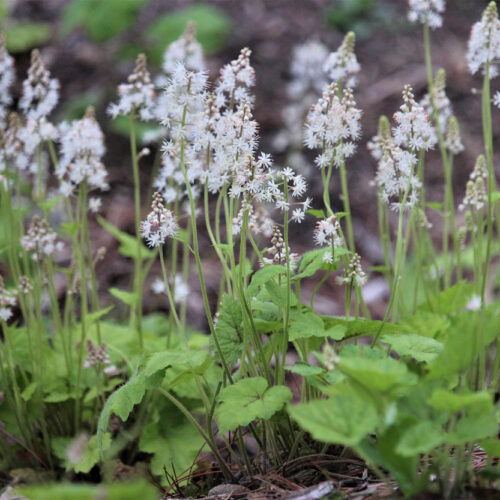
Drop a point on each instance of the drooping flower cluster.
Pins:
(97, 357)
(484, 42)
(332, 125)
(137, 95)
(342, 66)
(306, 69)
(40, 92)
(159, 224)
(475, 194)
(413, 128)
(426, 11)
(82, 148)
(40, 241)
(7, 76)
(7, 301)
(354, 274)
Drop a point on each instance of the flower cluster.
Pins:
(40, 92)
(7, 301)
(96, 356)
(7, 76)
(377, 143)
(475, 194)
(439, 100)
(332, 125)
(40, 240)
(82, 147)
(235, 80)
(159, 224)
(186, 50)
(306, 69)
(354, 274)
(426, 11)
(342, 65)
(137, 95)
(180, 288)
(453, 140)
(327, 233)
(484, 42)
(395, 176)
(413, 128)
(277, 252)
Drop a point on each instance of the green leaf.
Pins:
(121, 403)
(305, 325)
(128, 298)
(128, 246)
(212, 28)
(343, 419)
(102, 20)
(21, 36)
(248, 399)
(126, 490)
(304, 369)
(472, 429)
(360, 326)
(189, 360)
(97, 315)
(379, 373)
(175, 452)
(70, 227)
(410, 344)
(229, 329)
(336, 332)
(319, 214)
(48, 205)
(29, 391)
(451, 300)
(313, 261)
(88, 457)
(277, 294)
(491, 447)
(475, 402)
(422, 437)
(262, 276)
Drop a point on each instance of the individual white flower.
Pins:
(7, 76)
(95, 205)
(181, 289)
(40, 241)
(342, 65)
(158, 286)
(484, 42)
(40, 92)
(159, 224)
(137, 95)
(413, 128)
(82, 148)
(426, 11)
